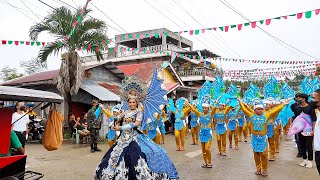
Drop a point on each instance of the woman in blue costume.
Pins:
(242, 129)
(205, 133)
(153, 130)
(195, 126)
(232, 127)
(135, 156)
(180, 128)
(163, 118)
(112, 133)
(221, 127)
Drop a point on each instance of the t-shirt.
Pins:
(316, 137)
(20, 125)
(32, 115)
(14, 142)
(307, 110)
(72, 123)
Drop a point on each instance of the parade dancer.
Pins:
(205, 133)
(180, 127)
(233, 127)
(135, 156)
(242, 128)
(163, 118)
(259, 121)
(220, 124)
(195, 126)
(113, 120)
(153, 130)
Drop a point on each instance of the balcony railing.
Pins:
(197, 71)
(121, 52)
(149, 50)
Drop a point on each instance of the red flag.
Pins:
(226, 28)
(299, 15)
(317, 11)
(27, 42)
(191, 32)
(16, 43)
(268, 21)
(253, 24)
(240, 27)
(4, 42)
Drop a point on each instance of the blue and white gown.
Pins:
(135, 156)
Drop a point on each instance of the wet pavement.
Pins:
(74, 162)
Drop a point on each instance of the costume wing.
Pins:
(156, 96)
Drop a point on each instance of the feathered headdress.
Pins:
(133, 87)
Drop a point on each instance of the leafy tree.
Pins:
(8, 73)
(32, 66)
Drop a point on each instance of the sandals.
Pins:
(258, 172)
(264, 174)
(193, 143)
(236, 148)
(204, 165)
(209, 165)
(230, 146)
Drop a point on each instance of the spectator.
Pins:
(296, 136)
(315, 104)
(83, 120)
(75, 126)
(15, 144)
(305, 141)
(20, 122)
(31, 113)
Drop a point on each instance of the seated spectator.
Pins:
(75, 125)
(83, 120)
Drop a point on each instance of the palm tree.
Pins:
(59, 24)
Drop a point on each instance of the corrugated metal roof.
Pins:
(111, 87)
(99, 92)
(13, 93)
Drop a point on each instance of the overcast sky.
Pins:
(137, 15)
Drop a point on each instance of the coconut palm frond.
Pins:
(48, 49)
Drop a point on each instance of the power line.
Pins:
(30, 10)
(20, 11)
(269, 34)
(186, 11)
(64, 3)
(173, 21)
(217, 47)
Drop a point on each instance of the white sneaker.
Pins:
(304, 163)
(309, 164)
(296, 146)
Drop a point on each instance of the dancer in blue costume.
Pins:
(232, 127)
(259, 120)
(113, 119)
(220, 122)
(153, 130)
(163, 118)
(205, 133)
(195, 126)
(242, 129)
(135, 156)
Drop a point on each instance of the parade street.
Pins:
(74, 162)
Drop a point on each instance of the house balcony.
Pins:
(148, 50)
(197, 74)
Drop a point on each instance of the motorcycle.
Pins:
(36, 130)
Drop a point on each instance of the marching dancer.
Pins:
(195, 126)
(259, 120)
(232, 127)
(220, 124)
(205, 133)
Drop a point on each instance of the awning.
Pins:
(97, 91)
(22, 94)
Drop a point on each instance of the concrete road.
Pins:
(74, 162)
